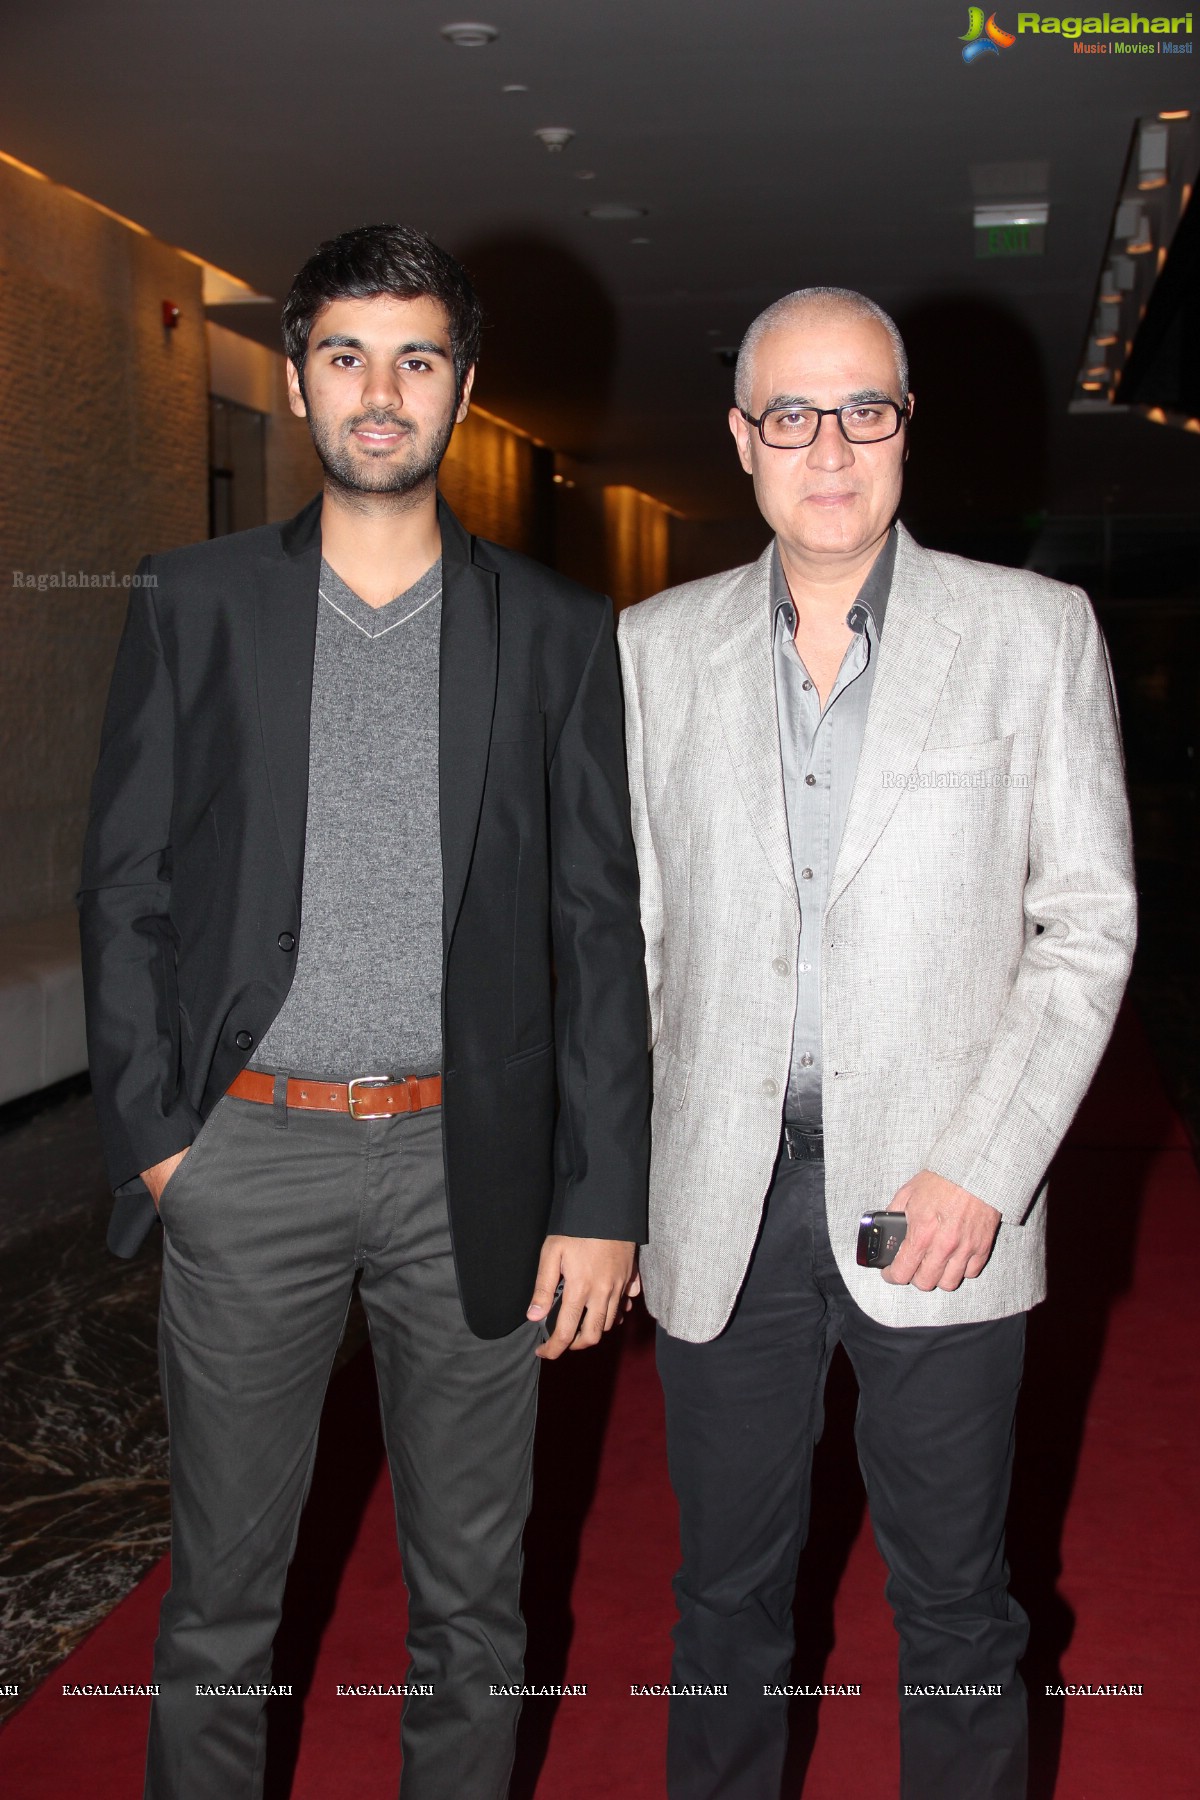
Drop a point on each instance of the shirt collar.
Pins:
(872, 596)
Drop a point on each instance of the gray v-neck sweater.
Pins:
(366, 997)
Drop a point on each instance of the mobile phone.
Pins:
(551, 1318)
(880, 1235)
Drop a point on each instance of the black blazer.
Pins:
(190, 899)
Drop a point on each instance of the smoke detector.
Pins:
(468, 36)
(555, 137)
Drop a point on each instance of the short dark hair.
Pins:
(384, 259)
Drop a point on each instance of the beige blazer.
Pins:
(976, 942)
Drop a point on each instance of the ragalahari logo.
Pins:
(984, 38)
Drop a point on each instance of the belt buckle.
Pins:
(804, 1144)
(367, 1081)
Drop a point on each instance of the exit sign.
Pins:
(1010, 240)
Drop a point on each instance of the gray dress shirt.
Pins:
(819, 751)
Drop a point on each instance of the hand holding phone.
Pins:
(880, 1235)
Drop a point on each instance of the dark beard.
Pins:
(351, 476)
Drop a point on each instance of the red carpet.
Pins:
(1103, 1547)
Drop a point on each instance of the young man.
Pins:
(361, 784)
(889, 909)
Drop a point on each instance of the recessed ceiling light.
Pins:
(555, 137)
(615, 209)
(514, 87)
(469, 35)
(585, 174)
(1182, 114)
(639, 240)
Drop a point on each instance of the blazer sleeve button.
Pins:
(244, 1039)
(286, 941)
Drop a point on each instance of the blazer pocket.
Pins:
(966, 759)
(523, 1056)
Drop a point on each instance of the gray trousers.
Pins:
(266, 1223)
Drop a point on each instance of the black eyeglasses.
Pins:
(860, 422)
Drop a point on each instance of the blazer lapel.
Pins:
(743, 673)
(914, 659)
(467, 702)
(285, 631)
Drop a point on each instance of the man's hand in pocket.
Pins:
(157, 1178)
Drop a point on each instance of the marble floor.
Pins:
(83, 1488)
(83, 1491)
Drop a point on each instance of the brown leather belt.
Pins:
(379, 1093)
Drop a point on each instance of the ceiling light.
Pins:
(1013, 212)
(1091, 387)
(615, 209)
(1183, 113)
(585, 174)
(555, 137)
(469, 36)
(1191, 425)
(639, 240)
(1156, 415)
(514, 87)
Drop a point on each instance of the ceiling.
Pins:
(773, 145)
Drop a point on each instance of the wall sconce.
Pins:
(170, 315)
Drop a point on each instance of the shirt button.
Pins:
(244, 1039)
(781, 965)
(806, 874)
(804, 967)
(769, 1086)
(286, 941)
(806, 1061)
(810, 781)
(807, 685)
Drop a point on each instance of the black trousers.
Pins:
(934, 1431)
(266, 1223)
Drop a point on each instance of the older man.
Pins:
(889, 912)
